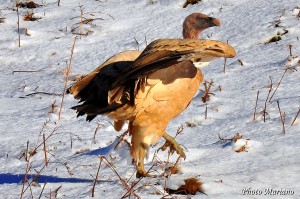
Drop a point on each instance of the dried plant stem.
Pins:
(137, 43)
(46, 138)
(282, 117)
(205, 111)
(99, 125)
(277, 85)
(31, 193)
(290, 47)
(81, 13)
(295, 117)
(42, 190)
(225, 60)
(146, 41)
(96, 177)
(26, 154)
(67, 77)
(71, 139)
(254, 114)
(123, 182)
(58, 2)
(19, 36)
(25, 178)
(45, 152)
(265, 109)
(25, 71)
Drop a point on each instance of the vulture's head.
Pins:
(195, 23)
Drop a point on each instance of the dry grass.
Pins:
(30, 16)
(29, 4)
(190, 2)
(207, 93)
(2, 19)
(28, 158)
(190, 187)
(67, 78)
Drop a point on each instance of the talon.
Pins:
(141, 172)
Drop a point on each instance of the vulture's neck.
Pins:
(189, 33)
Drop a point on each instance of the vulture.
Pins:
(149, 88)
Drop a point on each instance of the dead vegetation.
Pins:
(291, 64)
(207, 93)
(30, 16)
(190, 2)
(2, 19)
(41, 143)
(68, 71)
(277, 37)
(191, 186)
(85, 26)
(28, 4)
(238, 143)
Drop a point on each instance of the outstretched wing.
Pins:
(163, 53)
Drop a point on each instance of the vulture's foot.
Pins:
(138, 160)
(141, 172)
(173, 145)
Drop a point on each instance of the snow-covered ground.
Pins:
(260, 158)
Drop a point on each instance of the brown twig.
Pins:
(58, 2)
(45, 152)
(71, 140)
(25, 178)
(25, 71)
(277, 85)
(27, 149)
(96, 178)
(19, 36)
(97, 128)
(225, 60)
(206, 91)
(179, 131)
(138, 44)
(40, 92)
(282, 117)
(121, 138)
(146, 41)
(67, 77)
(81, 13)
(42, 190)
(53, 107)
(265, 109)
(290, 47)
(255, 106)
(123, 182)
(295, 117)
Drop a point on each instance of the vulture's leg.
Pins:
(140, 169)
(173, 145)
(139, 147)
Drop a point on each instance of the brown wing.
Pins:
(117, 83)
(129, 55)
(163, 53)
(93, 89)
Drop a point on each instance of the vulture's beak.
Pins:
(213, 21)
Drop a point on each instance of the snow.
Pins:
(32, 80)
